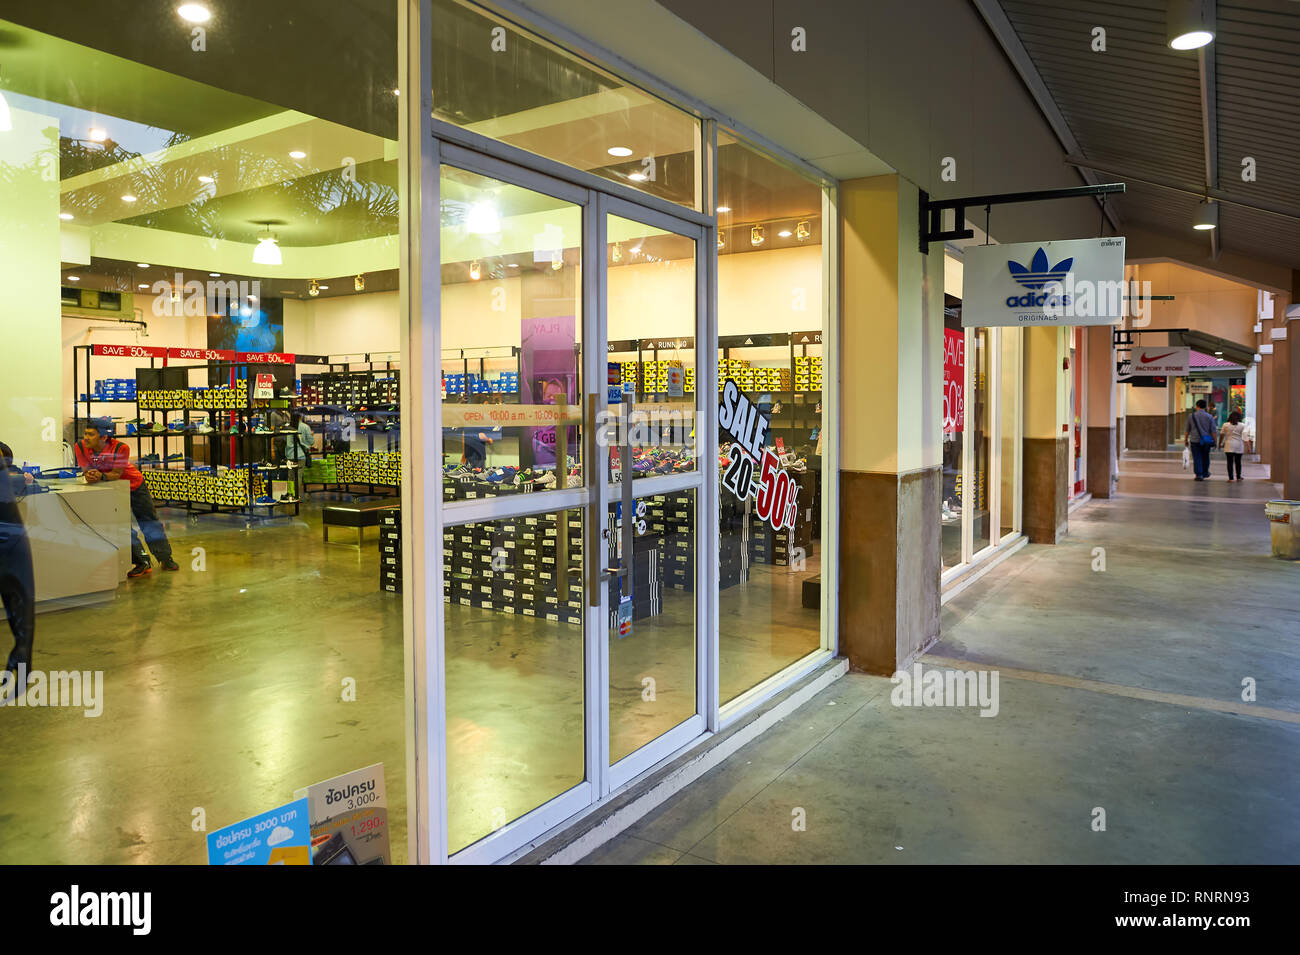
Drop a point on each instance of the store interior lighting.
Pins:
(475, 270)
(194, 12)
(757, 236)
(1189, 26)
(483, 219)
(359, 283)
(803, 230)
(313, 289)
(268, 249)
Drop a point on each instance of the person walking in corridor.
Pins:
(1232, 438)
(1200, 437)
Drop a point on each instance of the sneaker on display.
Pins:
(546, 479)
(266, 499)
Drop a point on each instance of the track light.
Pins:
(802, 230)
(1207, 216)
(313, 289)
(359, 283)
(722, 239)
(557, 260)
(475, 270)
(1189, 26)
(616, 253)
(757, 236)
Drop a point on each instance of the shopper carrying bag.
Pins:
(1200, 438)
(1232, 439)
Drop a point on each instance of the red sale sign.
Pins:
(201, 354)
(265, 358)
(954, 380)
(129, 351)
(775, 491)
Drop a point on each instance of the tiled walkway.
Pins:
(1120, 690)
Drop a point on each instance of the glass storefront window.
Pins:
(202, 416)
(981, 441)
(771, 323)
(954, 427)
(498, 80)
(511, 331)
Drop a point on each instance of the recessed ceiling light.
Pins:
(97, 135)
(206, 179)
(397, 92)
(215, 275)
(724, 209)
(142, 265)
(128, 198)
(619, 151)
(74, 278)
(512, 265)
(785, 233)
(194, 12)
(297, 154)
(65, 216)
(142, 286)
(637, 176)
(323, 288)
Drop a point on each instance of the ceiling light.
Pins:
(128, 198)
(616, 253)
(324, 288)
(757, 236)
(142, 265)
(722, 240)
(475, 270)
(397, 92)
(297, 154)
(620, 151)
(557, 260)
(802, 230)
(65, 216)
(194, 12)
(1188, 26)
(482, 219)
(206, 179)
(74, 278)
(97, 135)
(1218, 353)
(215, 275)
(722, 209)
(359, 283)
(785, 233)
(142, 286)
(268, 249)
(1207, 216)
(637, 176)
(512, 265)
(313, 289)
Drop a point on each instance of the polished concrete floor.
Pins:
(1120, 689)
(224, 692)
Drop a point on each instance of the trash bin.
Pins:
(1284, 519)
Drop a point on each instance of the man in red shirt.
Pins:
(103, 458)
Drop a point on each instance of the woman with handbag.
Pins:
(1232, 438)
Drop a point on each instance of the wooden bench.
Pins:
(358, 514)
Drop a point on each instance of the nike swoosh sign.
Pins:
(1146, 360)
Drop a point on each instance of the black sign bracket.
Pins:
(930, 211)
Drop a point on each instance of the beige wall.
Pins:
(1147, 401)
(1208, 303)
(1046, 383)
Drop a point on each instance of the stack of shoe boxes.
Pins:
(368, 467)
(807, 373)
(733, 559)
(645, 581)
(390, 550)
(515, 565)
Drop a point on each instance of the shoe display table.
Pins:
(358, 514)
(80, 536)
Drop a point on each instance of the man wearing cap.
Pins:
(103, 458)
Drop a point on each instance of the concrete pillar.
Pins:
(1286, 395)
(891, 372)
(1047, 436)
(1103, 409)
(1280, 368)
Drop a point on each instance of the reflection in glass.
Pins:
(770, 326)
(1010, 414)
(514, 664)
(511, 321)
(954, 427)
(981, 430)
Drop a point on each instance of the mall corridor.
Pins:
(1120, 689)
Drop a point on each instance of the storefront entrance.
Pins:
(574, 584)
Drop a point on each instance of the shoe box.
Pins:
(368, 467)
(390, 550)
(352, 390)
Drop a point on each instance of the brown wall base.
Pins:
(1101, 461)
(1045, 509)
(1147, 432)
(889, 567)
